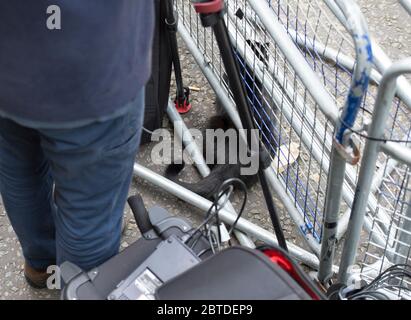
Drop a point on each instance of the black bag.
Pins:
(158, 87)
(99, 282)
(239, 273)
(235, 273)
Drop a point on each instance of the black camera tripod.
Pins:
(211, 14)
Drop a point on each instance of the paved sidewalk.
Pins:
(388, 23)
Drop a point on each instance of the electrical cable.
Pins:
(209, 215)
(148, 131)
(225, 189)
(375, 295)
(367, 137)
(381, 282)
(203, 252)
(243, 188)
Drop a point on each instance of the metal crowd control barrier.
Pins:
(398, 238)
(344, 149)
(305, 59)
(407, 5)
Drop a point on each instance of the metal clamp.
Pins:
(350, 152)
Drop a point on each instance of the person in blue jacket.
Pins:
(72, 77)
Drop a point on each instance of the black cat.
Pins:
(208, 186)
(219, 172)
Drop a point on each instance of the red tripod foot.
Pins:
(183, 107)
(182, 103)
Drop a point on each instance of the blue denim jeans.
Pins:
(64, 190)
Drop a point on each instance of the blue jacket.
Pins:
(90, 69)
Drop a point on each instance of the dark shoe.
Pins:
(35, 278)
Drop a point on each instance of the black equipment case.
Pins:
(99, 282)
(236, 273)
(158, 86)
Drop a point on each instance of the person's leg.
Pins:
(26, 188)
(92, 169)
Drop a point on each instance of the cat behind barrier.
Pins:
(265, 118)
